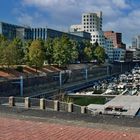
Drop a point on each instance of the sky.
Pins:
(118, 15)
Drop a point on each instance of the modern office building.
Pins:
(110, 41)
(11, 31)
(116, 38)
(129, 56)
(92, 23)
(136, 42)
(136, 47)
(109, 49)
(119, 54)
(79, 36)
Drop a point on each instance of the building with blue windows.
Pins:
(11, 31)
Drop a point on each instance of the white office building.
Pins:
(136, 47)
(136, 42)
(92, 23)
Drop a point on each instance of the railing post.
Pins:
(21, 85)
(11, 101)
(60, 79)
(42, 104)
(56, 105)
(70, 107)
(108, 71)
(83, 109)
(86, 72)
(27, 102)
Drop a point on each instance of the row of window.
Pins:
(97, 36)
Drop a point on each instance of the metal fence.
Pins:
(55, 80)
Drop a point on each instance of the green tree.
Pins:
(100, 54)
(49, 50)
(36, 54)
(27, 45)
(19, 50)
(2, 38)
(9, 57)
(88, 53)
(74, 50)
(64, 51)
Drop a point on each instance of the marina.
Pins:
(123, 92)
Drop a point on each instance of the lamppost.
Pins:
(20, 82)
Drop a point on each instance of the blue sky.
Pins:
(118, 15)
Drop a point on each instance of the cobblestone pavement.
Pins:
(16, 129)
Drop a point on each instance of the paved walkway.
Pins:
(14, 129)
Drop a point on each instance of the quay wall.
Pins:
(51, 81)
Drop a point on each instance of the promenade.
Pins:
(16, 127)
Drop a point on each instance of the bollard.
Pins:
(56, 105)
(27, 102)
(83, 109)
(11, 101)
(70, 107)
(42, 104)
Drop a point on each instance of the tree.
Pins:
(64, 52)
(27, 45)
(36, 54)
(19, 50)
(9, 55)
(2, 38)
(48, 46)
(88, 53)
(3, 45)
(74, 50)
(100, 54)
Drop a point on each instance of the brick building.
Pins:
(116, 38)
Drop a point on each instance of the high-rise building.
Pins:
(136, 46)
(92, 23)
(116, 38)
(109, 49)
(136, 42)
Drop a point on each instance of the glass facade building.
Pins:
(11, 31)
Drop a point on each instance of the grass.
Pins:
(84, 101)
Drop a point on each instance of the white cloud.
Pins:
(121, 3)
(118, 15)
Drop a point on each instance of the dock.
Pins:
(120, 105)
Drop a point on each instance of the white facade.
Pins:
(136, 47)
(92, 23)
(136, 42)
(76, 27)
(119, 54)
(98, 36)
